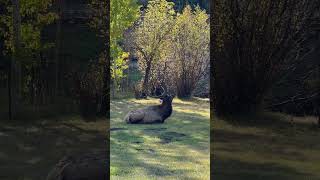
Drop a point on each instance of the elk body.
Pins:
(151, 114)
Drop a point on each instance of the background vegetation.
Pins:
(51, 52)
(53, 74)
(165, 49)
(56, 71)
(265, 58)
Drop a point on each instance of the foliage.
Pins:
(98, 17)
(123, 13)
(181, 4)
(154, 28)
(173, 49)
(190, 49)
(255, 42)
(22, 28)
(119, 65)
(150, 35)
(35, 15)
(90, 90)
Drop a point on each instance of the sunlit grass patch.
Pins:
(177, 149)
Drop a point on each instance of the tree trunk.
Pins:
(105, 89)
(10, 93)
(318, 99)
(58, 46)
(15, 71)
(146, 78)
(106, 71)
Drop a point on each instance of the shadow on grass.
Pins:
(228, 169)
(282, 147)
(264, 147)
(132, 154)
(166, 134)
(29, 151)
(152, 170)
(273, 122)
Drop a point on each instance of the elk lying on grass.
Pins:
(151, 114)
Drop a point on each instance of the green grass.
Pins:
(177, 149)
(29, 150)
(269, 146)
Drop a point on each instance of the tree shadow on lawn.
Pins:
(271, 121)
(31, 151)
(164, 137)
(123, 162)
(267, 141)
(281, 150)
(174, 129)
(131, 161)
(227, 169)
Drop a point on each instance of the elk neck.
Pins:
(166, 109)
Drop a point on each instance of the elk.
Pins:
(152, 114)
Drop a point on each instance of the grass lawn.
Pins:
(28, 150)
(272, 147)
(177, 149)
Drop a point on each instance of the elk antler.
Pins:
(161, 95)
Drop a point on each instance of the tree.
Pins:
(123, 13)
(59, 11)
(23, 22)
(110, 28)
(254, 42)
(190, 49)
(298, 89)
(181, 4)
(15, 66)
(152, 31)
(100, 22)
